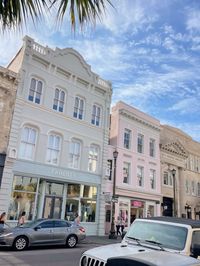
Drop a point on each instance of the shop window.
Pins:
(54, 189)
(22, 197)
(81, 199)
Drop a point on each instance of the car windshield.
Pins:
(168, 236)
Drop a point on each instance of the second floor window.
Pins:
(28, 143)
(167, 179)
(93, 158)
(152, 147)
(78, 108)
(53, 149)
(140, 176)
(198, 189)
(75, 154)
(127, 138)
(126, 172)
(153, 178)
(140, 143)
(193, 188)
(187, 187)
(96, 112)
(35, 91)
(59, 99)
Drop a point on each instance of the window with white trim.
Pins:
(187, 187)
(96, 113)
(28, 143)
(127, 138)
(140, 176)
(140, 143)
(193, 188)
(59, 100)
(53, 149)
(78, 108)
(198, 189)
(126, 173)
(152, 147)
(167, 178)
(93, 158)
(75, 154)
(153, 178)
(35, 91)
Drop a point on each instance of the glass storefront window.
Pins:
(72, 206)
(24, 183)
(81, 199)
(21, 201)
(73, 190)
(54, 189)
(88, 208)
(124, 212)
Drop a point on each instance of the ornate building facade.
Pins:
(181, 153)
(58, 139)
(8, 86)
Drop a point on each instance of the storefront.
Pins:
(50, 197)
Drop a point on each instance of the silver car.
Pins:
(42, 232)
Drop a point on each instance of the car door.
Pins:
(61, 230)
(43, 233)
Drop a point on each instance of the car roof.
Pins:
(177, 220)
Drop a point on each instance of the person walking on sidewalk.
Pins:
(122, 225)
(118, 225)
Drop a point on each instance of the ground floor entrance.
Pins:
(52, 207)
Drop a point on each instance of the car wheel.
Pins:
(71, 241)
(20, 243)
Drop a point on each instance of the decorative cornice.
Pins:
(10, 75)
(131, 116)
(175, 148)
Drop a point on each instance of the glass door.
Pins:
(52, 207)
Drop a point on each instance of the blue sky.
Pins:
(148, 49)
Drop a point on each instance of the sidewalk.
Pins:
(101, 240)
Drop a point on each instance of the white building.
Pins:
(59, 135)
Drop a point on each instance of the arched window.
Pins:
(78, 108)
(96, 113)
(75, 153)
(35, 91)
(93, 158)
(28, 143)
(59, 100)
(53, 149)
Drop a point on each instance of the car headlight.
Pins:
(84, 261)
(8, 234)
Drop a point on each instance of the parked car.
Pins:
(42, 232)
(169, 234)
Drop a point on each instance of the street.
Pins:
(59, 256)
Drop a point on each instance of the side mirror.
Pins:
(195, 250)
(37, 228)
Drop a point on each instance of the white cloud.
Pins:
(186, 106)
(193, 18)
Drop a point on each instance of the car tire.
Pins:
(72, 241)
(20, 243)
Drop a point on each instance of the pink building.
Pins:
(135, 135)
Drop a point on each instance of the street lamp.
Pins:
(174, 191)
(112, 234)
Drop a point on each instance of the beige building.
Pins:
(8, 82)
(181, 153)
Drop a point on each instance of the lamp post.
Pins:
(112, 234)
(174, 191)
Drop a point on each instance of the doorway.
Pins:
(52, 207)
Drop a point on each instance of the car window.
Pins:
(61, 224)
(196, 237)
(47, 224)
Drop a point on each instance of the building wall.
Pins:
(126, 117)
(67, 70)
(180, 152)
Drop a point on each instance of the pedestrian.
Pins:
(3, 218)
(22, 218)
(77, 219)
(118, 225)
(122, 225)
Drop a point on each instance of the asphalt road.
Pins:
(53, 256)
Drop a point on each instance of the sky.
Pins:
(148, 49)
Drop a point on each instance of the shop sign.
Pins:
(136, 203)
